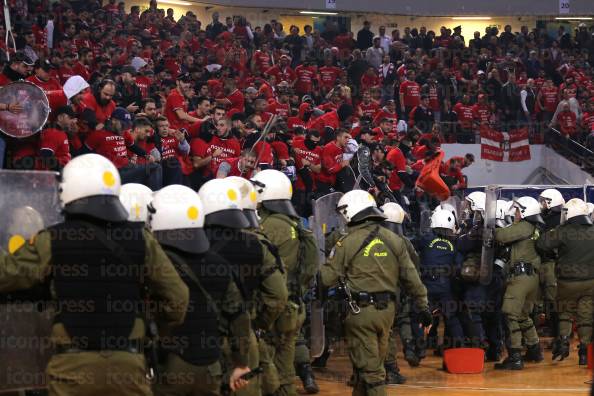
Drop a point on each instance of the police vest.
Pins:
(197, 340)
(98, 270)
(243, 251)
(437, 254)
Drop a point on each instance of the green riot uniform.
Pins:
(92, 372)
(282, 232)
(522, 285)
(270, 299)
(402, 324)
(373, 261)
(575, 277)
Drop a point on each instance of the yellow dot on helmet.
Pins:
(253, 196)
(231, 194)
(369, 197)
(192, 213)
(109, 179)
(15, 243)
(290, 189)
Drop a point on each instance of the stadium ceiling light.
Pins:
(471, 18)
(318, 13)
(573, 18)
(175, 2)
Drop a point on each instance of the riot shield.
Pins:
(489, 222)
(28, 203)
(35, 109)
(324, 221)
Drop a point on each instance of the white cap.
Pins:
(74, 85)
(138, 63)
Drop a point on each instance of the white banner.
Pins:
(563, 6)
(331, 4)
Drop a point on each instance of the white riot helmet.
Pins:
(529, 209)
(177, 219)
(590, 208)
(443, 219)
(394, 216)
(358, 205)
(222, 204)
(551, 198)
(136, 198)
(449, 207)
(502, 219)
(275, 192)
(91, 186)
(575, 211)
(248, 199)
(477, 200)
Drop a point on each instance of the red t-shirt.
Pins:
(237, 101)
(327, 75)
(65, 73)
(281, 110)
(368, 81)
(302, 152)
(412, 93)
(144, 84)
(262, 60)
(169, 147)
(103, 113)
(433, 98)
(481, 113)
(49, 85)
(56, 141)
(369, 110)
(464, 113)
(234, 168)
(230, 148)
(305, 76)
(550, 98)
(109, 145)
(175, 101)
(567, 122)
(397, 159)
(331, 163)
(325, 120)
(82, 70)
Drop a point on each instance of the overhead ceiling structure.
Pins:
(480, 8)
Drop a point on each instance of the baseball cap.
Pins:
(20, 56)
(65, 110)
(74, 85)
(128, 69)
(123, 116)
(185, 77)
(44, 64)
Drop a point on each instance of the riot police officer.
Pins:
(257, 268)
(371, 262)
(176, 220)
(394, 218)
(474, 293)
(105, 267)
(551, 204)
(136, 199)
(280, 224)
(573, 241)
(522, 285)
(440, 263)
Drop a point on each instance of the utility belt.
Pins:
(435, 273)
(132, 346)
(522, 268)
(379, 300)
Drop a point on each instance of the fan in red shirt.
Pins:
(398, 176)
(282, 71)
(220, 147)
(66, 70)
(234, 99)
(410, 93)
(54, 148)
(328, 75)
(111, 144)
(547, 100)
(83, 66)
(306, 73)
(368, 107)
(388, 111)
(386, 126)
(42, 77)
(464, 111)
(242, 166)
(332, 161)
(100, 101)
(262, 59)
(369, 79)
(173, 147)
(567, 121)
(19, 67)
(281, 107)
(176, 107)
(481, 111)
(328, 123)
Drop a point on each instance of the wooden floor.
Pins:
(549, 378)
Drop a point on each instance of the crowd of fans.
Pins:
(183, 101)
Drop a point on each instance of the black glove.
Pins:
(426, 318)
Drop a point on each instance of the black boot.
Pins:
(512, 362)
(583, 355)
(493, 353)
(409, 353)
(561, 348)
(320, 362)
(534, 353)
(306, 375)
(393, 375)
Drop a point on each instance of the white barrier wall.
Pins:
(484, 172)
